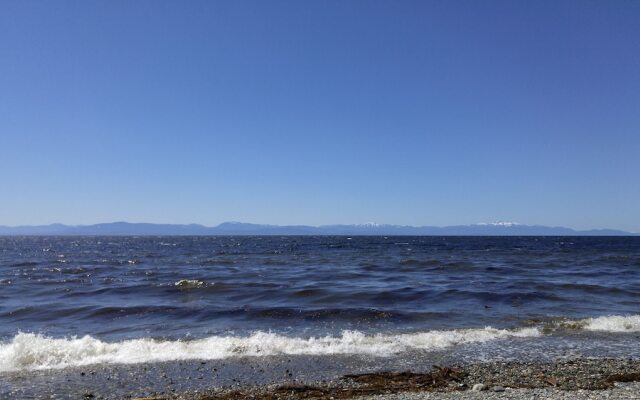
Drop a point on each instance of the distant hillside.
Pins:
(237, 228)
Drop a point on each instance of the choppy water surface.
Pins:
(139, 298)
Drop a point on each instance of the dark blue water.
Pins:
(116, 288)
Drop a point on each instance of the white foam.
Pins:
(33, 351)
(613, 323)
(189, 284)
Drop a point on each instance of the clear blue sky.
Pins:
(320, 112)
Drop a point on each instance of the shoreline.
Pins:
(546, 367)
(578, 378)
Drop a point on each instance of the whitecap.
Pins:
(189, 284)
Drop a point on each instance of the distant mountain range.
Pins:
(238, 228)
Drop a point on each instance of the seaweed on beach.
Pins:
(352, 386)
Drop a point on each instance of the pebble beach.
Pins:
(572, 379)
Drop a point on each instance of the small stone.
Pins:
(478, 387)
(497, 389)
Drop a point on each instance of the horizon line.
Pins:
(503, 224)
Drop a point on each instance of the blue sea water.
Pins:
(68, 301)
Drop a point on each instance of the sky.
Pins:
(320, 112)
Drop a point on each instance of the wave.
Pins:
(24, 264)
(608, 323)
(612, 323)
(29, 351)
(189, 284)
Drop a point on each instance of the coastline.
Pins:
(571, 379)
(581, 365)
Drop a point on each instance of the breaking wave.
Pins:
(31, 351)
(613, 323)
(28, 351)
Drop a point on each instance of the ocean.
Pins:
(115, 303)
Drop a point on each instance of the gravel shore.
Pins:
(621, 391)
(571, 379)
